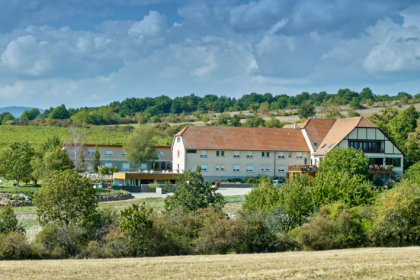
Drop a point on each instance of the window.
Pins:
(315, 144)
(329, 147)
(91, 152)
(178, 153)
(368, 146)
(236, 168)
(267, 168)
(265, 154)
(249, 168)
(281, 154)
(177, 166)
(262, 167)
(143, 166)
(203, 167)
(108, 164)
(124, 154)
(203, 154)
(160, 154)
(217, 153)
(72, 152)
(290, 154)
(178, 139)
(220, 153)
(236, 154)
(281, 168)
(396, 162)
(191, 151)
(299, 155)
(249, 154)
(223, 153)
(222, 167)
(217, 167)
(108, 153)
(323, 146)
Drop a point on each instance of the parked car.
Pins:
(277, 183)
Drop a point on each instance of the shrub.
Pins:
(264, 197)
(397, 216)
(334, 227)
(14, 246)
(257, 236)
(378, 182)
(58, 241)
(220, 236)
(103, 170)
(113, 169)
(8, 221)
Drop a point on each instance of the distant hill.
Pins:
(17, 111)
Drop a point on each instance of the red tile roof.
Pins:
(243, 138)
(317, 129)
(340, 129)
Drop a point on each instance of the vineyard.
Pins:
(36, 135)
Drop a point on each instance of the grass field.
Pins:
(375, 263)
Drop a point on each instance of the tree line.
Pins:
(132, 109)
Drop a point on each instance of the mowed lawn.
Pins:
(376, 263)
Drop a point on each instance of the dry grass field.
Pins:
(377, 263)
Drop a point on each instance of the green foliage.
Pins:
(5, 117)
(16, 162)
(235, 121)
(397, 216)
(263, 197)
(14, 246)
(346, 160)
(50, 143)
(336, 226)
(205, 119)
(254, 122)
(412, 174)
(192, 193)
(66, 197)
(351, 189)
(306, 110)
(96, 159)
(355, 103)
(140, 145)
(103, 170)
(135, 219)
(59, 241)
(296, 199)
(54, 159)
(8, 221)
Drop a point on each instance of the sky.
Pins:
(92, 52)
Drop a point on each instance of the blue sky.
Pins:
(87, 53)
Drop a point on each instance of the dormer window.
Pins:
(315, 144)
(323, 146)
(331, 146)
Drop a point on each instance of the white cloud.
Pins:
(151, 26)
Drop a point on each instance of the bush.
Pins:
(397, 216)
(103, 170)
(58, 241)
(378, 182)
(14, 246)
(257, 236)
(113, 169)
(334, 227)
(220, 236)
(8, 221)
(264, 197)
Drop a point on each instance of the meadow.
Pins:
(366, 263)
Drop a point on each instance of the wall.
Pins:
(229, 161)
(178, 160)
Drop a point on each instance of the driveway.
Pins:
(223, 191)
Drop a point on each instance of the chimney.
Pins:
(295, 126)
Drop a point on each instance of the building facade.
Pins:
(114, 155)
(224, 153)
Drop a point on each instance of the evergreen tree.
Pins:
(96, 158)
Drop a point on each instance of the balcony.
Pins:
(301, 168)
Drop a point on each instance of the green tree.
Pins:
(295, 198)
(16, 163)
(82, 159)
(273, 122)
(140, 145)
(96, 159)
(65, 197)
(205, 119)
(355, 103)
(192, 193)
(50, 143)
(9, 221)
(54, 159)
(306, 110)
(397, 217)
(235, 121)
(346, 160)
(263, 197)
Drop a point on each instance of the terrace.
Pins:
(145, 177)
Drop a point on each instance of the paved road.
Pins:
(223, 191)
